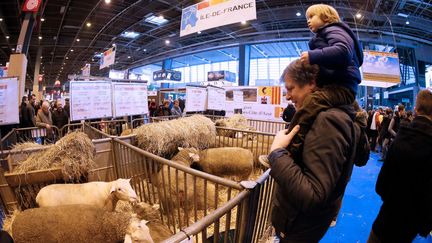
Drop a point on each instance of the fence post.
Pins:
(114, 152)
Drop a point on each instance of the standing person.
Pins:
(339, 55)
(66, 107)
(44, 119)
(176, 111)
(22, 112)
(59, 116)
(405, 183)
(384, 133)
(28, 112)
(164, 109)
(309, 189)
(153, 108)
(395, 122)
(374, 128)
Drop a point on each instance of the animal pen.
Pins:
(227, 212)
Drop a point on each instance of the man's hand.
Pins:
(282, 139)
(305, 57)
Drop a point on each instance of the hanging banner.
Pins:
(214, 13)
(86, 70)
(215, 98)
(380, 69)
(90, 100)
(108, 58)
(129, 99)
(9, 101)
(196, 98)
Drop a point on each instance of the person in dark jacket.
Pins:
(28, 113)
(309, 189)
(165, 110)
(339, 55)
(395, 122)
(66, 107)
(405, 182)
(384, 135)
(59, 116)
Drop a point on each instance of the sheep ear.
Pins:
(128, 180)
(113, 188)
(156, 206)
(144, 221)
(180, 148)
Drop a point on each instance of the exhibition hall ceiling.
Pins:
(73, 32)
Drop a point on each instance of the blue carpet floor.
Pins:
(360, 207)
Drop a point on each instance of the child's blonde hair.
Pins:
(326, 13)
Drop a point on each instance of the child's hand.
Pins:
(305, 57)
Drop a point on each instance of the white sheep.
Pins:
(77, 223)
(224, 162)
(138, 232)
(99, 194)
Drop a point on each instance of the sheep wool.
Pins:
(70, 223)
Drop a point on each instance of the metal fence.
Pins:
(30, 134)
(111, 127)
(245, 218)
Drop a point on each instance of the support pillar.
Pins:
(18, 68)
(167, 64)
(36, 83)
(244, 64)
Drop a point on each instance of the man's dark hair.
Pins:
(301, 73)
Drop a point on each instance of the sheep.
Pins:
(226, 161)
(100, 194)
(166, 181)
(76, 223)
(138, 232)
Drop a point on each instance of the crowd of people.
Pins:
(168, 107)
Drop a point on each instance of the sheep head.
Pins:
(122, 189)
(138, 232)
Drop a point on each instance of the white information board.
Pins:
(238, 99)
(90, 100)
(215, 98)
(9, 101)
(196, 98)
(129, 99)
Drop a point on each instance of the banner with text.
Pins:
(196, 98)
(9, 101)
(129, 99)
(214, 13)
(215, 98)
(262, 103)
(108, 58)
(90, 100)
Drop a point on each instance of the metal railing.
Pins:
(111, 127)
(244, 218)
(30, 134)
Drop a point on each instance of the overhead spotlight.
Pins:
(167, 42)
(78, 40)
(43, 19)
(107, 1)
(358, 15)
(7, 37)
(243, 22)
(1, 19)
(40, 37)
(71, 50)
(144, 50)
(298, 14)
(88, 24)
(407, 22)
(67, 58)
(41, 57)
(199, 32)
(129, 57)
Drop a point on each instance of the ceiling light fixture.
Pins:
(199, 32)
(298, 14)
(145, 50)
(167, 42)
(107, 1)
(88, 24)
(40, 37)
(243, 22)
(13, 49)
(358, 15)
(71, 50)
(1, 19)
(130, 34)
(7, 37)
(43, 19)
(67, 58)
(78, 40)
(129, 57)
(407, 22)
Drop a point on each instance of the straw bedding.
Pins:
(163, 138)
(73, 154)
(26, 145)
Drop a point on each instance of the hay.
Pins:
(73, 154)
(163, 138)
(236, 121)
(26, 145)
(8, 220)
(127, 132)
